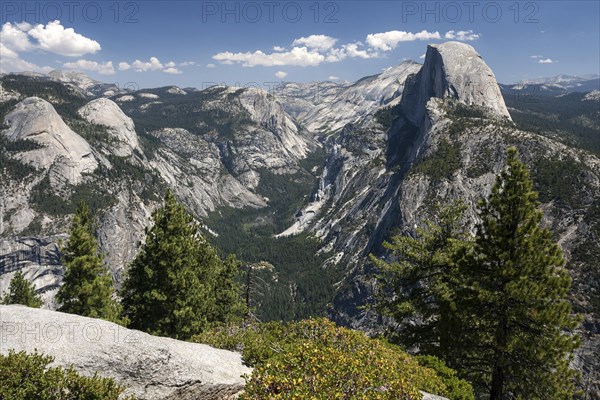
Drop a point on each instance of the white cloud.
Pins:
(316, 42)
(15, 37)
(462, 35)
(123, 66)
(536, 57)
(387, 41)
(280, 74)
(352, 51)
(422, 56)
(187, 63)
(547, 61)
(211, 65)
(298, 56)
(170, 64)
(86, 65)
(278, 48)
(11, 62)
(333, 78)
(142, 66)
(172, 70)
(54, 38)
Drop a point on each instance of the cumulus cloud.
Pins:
(314, 50)
(211, 65)
(54, 38)
(16, 38)
(387, 41)
(281, 74)
(172, 70)
(11, 62)
(153, 64)
(317, 42)
(86, 65)
(187, 63)
(462, 35)
(306, 51)
(123, 66)
(547, 61)
(353, 51)
(298, 56)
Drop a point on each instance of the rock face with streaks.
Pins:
(150, 367)
(63, 151)
(452, 70)
(120, 127)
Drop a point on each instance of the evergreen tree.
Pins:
(177, 284)
(230, 306)
(20, 291)
(88, 287)
(521, 323)
(418, 290)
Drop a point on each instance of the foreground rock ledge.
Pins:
(151, 367)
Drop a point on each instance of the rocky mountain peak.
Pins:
(453, 70)
(107, 113)
(60, 149)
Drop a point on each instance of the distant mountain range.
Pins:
(554, 85)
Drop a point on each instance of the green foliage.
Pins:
(559, 180)
(20, 291)
(388, 116)
(194, 112)
(520, 337)
(419, 289)
(566, 118)
(497, 309)
(442, 163)
(298, 265)
(71, 101)
(177, 285)
(28, 377)
(12, 169)
(44, 199)
(88, 287)
(457, 389)
(314, 359)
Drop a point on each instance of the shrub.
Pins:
(316, 359)
(457, 389)
(27, 377)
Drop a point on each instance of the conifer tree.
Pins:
(20, 291)
(177, 285)
(230, 306)
(515, 297)
(88, 288)
(418, 290)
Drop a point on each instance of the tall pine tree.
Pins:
(418, 290)
(177, 284)
(20, 291)
(88, 288)
(521, 322)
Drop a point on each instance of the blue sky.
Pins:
(198, 43)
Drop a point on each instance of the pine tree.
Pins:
(20, 291)
(419, 289)
(171, 286)
(521, 322)
(230, 306)
(88, 288)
